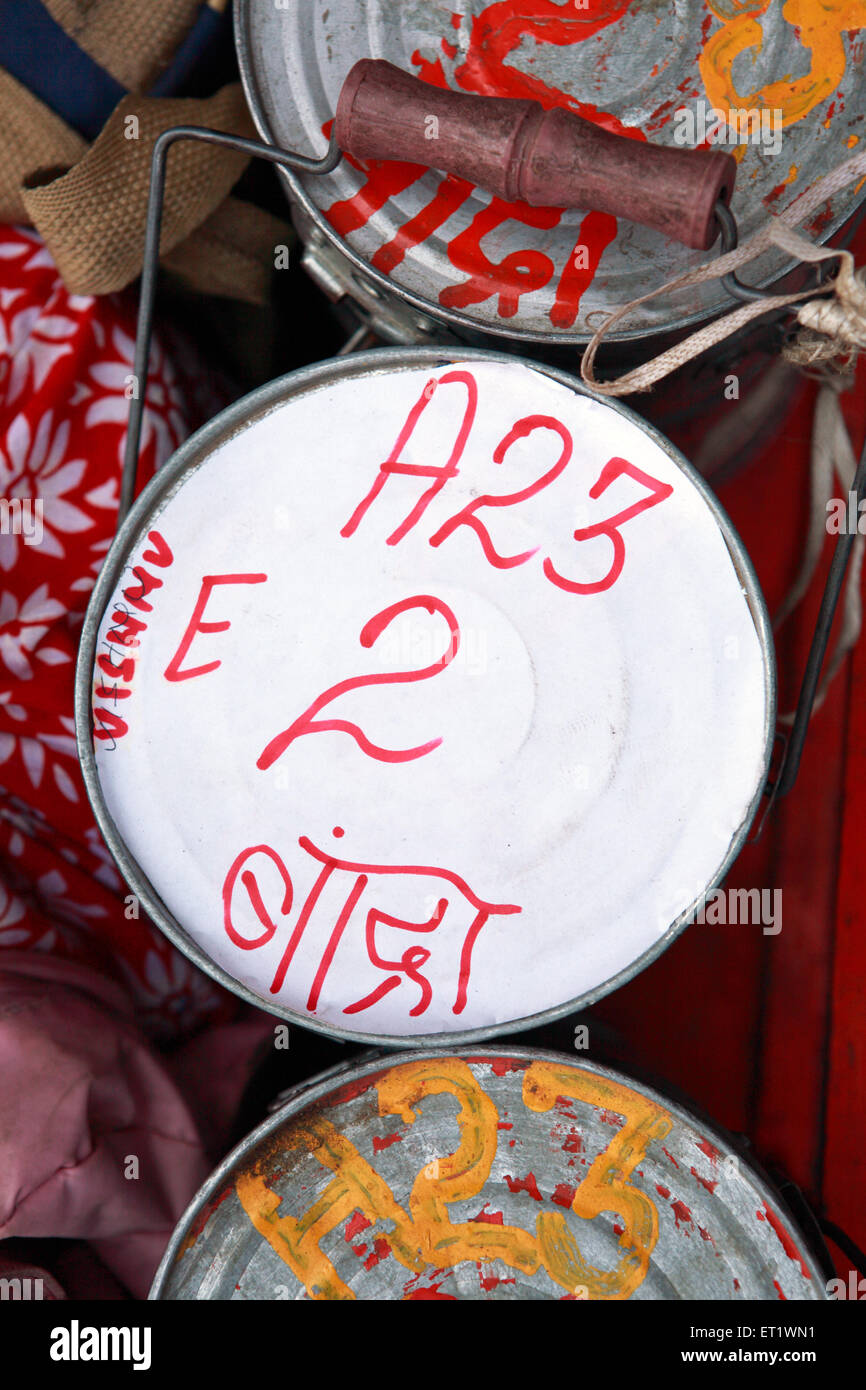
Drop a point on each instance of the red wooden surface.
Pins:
(768, 1033)
(844, 1157)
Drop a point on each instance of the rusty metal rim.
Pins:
(309, 1094)
(191, 455)
(297, 192)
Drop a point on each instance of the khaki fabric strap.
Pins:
(233, 250)
(89, 203)
(92, 216)
(31, 137)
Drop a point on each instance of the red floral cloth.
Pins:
(65, 363)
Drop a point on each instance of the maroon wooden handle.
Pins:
(517, 150)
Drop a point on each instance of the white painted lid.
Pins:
(584, 761)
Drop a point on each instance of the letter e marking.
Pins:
(208, 583)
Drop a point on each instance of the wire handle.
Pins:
(150, 264)
(790, 762)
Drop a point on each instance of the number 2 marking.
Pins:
(468, 515)
(308, 723)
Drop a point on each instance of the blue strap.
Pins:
(44, 59)
(201, 39)
(37, 51)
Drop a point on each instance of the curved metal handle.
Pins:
(150, 263)
(518, 150)
(790, 763)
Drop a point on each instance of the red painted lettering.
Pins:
(516, 274)
(468, 515)
(409, 964)
(111, 692)
(450, 195)
(393, 463)
(147, 583)
(374, 879)
(597, 231)
(125, 671)
(161, 555)
(250, 882)
(196, 625)
(111, 726)
(126, 629)
(613, 469)
(307, 723)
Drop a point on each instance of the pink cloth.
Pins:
(82, 1098)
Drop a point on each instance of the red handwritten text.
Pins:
(123, 637)
(613, 469)
(468, 515)
(195, 625)
(394, 464)
(488, 67)
(455, 899)
(307, 723)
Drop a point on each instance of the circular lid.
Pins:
(428, 695)
(779, 86)
(521, 1176)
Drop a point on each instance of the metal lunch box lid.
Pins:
(386, 744)
(788, 80)
(509, 1174)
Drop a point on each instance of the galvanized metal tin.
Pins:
(162, 808)
(501, 1175)
(421, 253)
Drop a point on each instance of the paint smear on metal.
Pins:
(819, 25)
(710, 1150)
(704, 1182)
(487, 69)
(495, 34)
(681, 1214)
(785, 1240)
(421, 1233)
(489, 1218)
(527, 1184)
(203, 1217)
(379, 1145)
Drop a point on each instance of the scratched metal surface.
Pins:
(680, 1217)
(629, 66)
